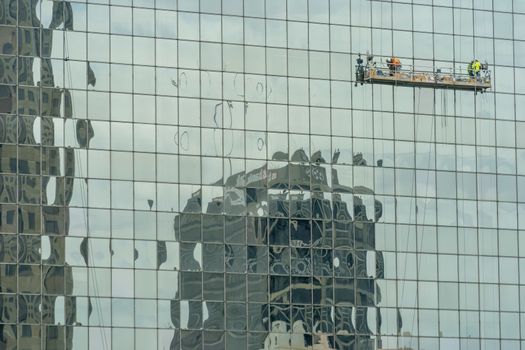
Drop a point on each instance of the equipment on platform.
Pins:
(477, 78)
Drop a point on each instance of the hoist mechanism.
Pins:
(477, 76)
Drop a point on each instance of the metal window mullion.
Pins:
(17, 205)
(497, 175)
(156, 164)
(312, 249)
(176, 137)
(40, 204)
(133, 162)
(224, 214)
(266, 184)
(396, 281)
(110, 36)
(520, 320)
(201, 182)
(224, 222)
(416, 304)
(476, 145)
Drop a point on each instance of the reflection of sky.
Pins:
(46, 12)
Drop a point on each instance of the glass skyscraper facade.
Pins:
(203, 174)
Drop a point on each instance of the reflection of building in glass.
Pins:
(240, 192)
(311, 260)
(35, 186)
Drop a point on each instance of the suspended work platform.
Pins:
(377, 73)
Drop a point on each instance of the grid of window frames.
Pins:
(204, 175)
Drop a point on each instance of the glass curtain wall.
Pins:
(185, 174)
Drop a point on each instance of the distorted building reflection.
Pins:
(36, 184)
(310, 260)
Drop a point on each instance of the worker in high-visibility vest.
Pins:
(394, 64)
(474, 68)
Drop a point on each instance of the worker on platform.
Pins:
(360, 71)
(474, 68)
(359, 61)
(394, 64)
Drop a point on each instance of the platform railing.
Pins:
(446, 77)
(431, 75)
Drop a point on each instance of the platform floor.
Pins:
(444, 81)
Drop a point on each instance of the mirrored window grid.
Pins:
(205, 175)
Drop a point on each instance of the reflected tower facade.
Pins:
(284, 283)
(204, 174)
(36, 183)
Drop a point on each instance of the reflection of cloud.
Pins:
(145, 191)
(188, 26)
(172, 257)
(197, 254)
(59, 310)
(184, 314)
(121, 20)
